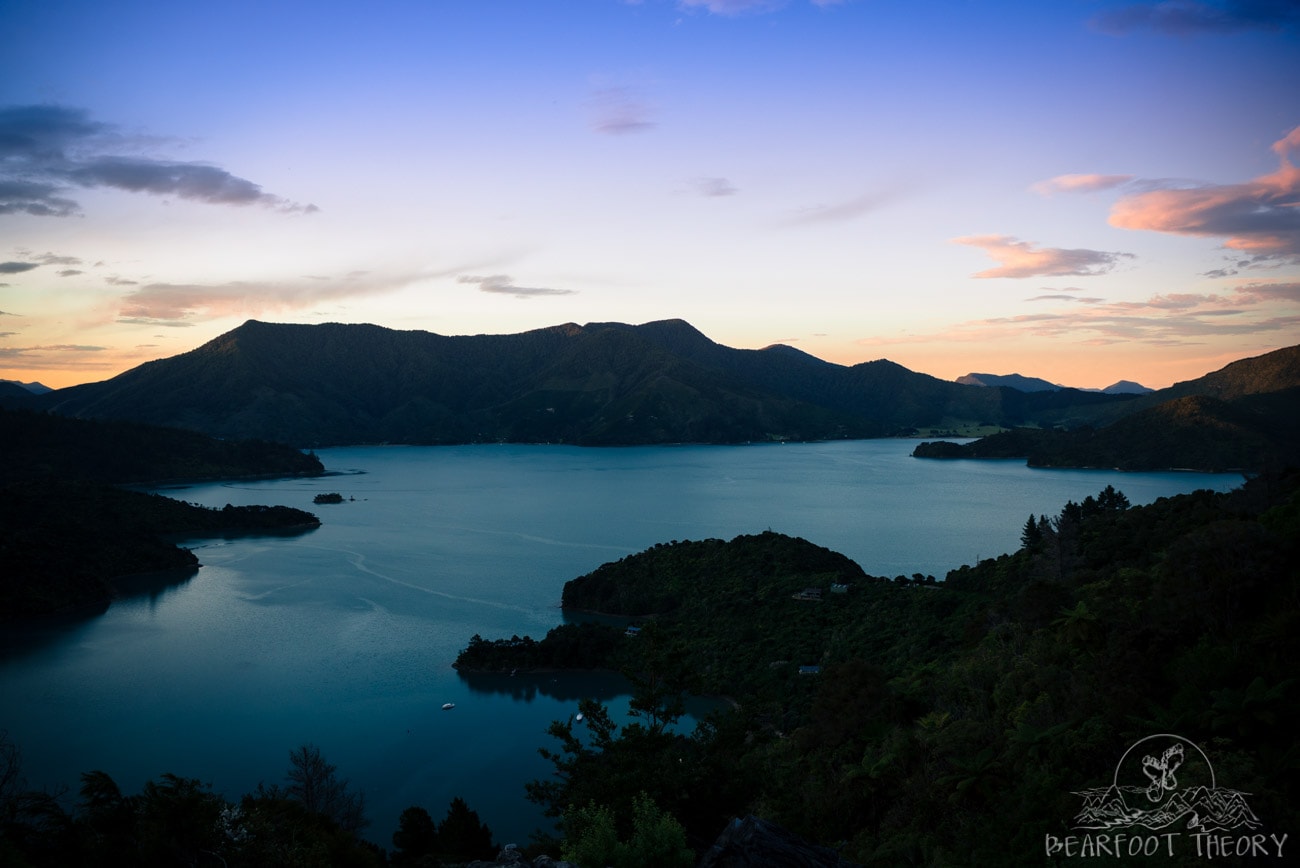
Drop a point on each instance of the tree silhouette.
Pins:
(462, 836)
(313, 783)
(416, 837)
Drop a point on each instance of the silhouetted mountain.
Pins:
(1011, 381)
(13, 394)
(32, 388)
(1195, 432)
(603, 383)
(1271, 372)
(1245, 416)
(1036, 384)
(1127, 387)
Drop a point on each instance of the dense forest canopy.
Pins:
(910, 721)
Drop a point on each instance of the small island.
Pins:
(330, 497)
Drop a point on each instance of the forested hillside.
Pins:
(1250, 432)
(38, 445)
(954, 722)
(68, 535)
(598, 384)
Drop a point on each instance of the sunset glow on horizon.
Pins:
(1083, 192)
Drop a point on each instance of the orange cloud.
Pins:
(1259, 217)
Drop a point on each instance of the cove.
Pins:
(345, 636)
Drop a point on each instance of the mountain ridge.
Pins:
(596, 384)
(1037, 384)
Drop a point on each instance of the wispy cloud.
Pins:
(47, 151)
(620, 111)
(17, 267)
(713, 187)
(1023, 259)
(734, 8)
(848, 209)
(502, 284)
(1172, 319)
(1065, 296)
(20, 352)
(1079, 183)
(175, 305)
(1259, 217)
(1191, 17)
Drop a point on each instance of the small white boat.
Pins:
(448, 706)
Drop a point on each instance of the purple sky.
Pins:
(1081, 191)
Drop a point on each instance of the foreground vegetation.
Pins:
(314, 819)
(953, 722)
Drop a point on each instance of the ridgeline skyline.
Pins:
(1079, 192)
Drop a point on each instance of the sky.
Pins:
(1079, 190)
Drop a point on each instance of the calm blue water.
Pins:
(345, 636)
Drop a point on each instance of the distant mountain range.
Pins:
(30, 388)
(597, 384)
(1035, 384)
(1245, 416)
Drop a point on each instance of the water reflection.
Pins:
(20, 640)
(152, 588)
(558, 686)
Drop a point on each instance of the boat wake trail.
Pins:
(358, 561)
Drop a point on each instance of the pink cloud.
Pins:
(1022, 259)
(1259, 217)
(1079, 183)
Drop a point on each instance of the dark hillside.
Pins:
(912, 722)
(1252, 432)
(67, 534)
(38, 445)
(599, 384)
(1271, 372)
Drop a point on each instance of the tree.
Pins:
(657, 691)
(108, 817)
(1031, 537)
(462, 836)
(179, 822)
(314, 784)
(591, 837)
(416, 836)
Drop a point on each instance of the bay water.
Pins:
(344, 636)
